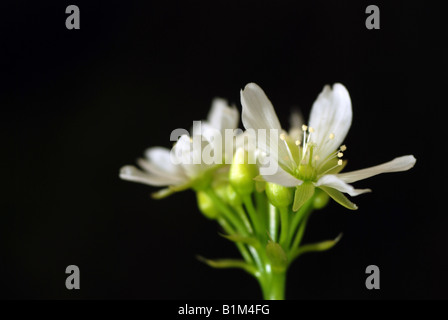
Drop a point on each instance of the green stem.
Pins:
(284, 233)
(243, 250)
(300, 232)
(273, 222)
(243, 217)
(274, 286)
(303, 212)
(229, 214)
(262, 208)
(247, 200)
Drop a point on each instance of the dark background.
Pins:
(78, 104)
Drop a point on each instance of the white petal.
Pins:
(331, 114)
(222, 116)
(396, 165)
(275, 174)
(258, 112)
(332, 181)
(174, 178)
(283, 178)
(160, 161)
(131, 173)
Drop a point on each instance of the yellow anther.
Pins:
(282, 136)
(343, 147)
(331, 136)
(340, 154)
(304, 127)
(339, 162)
(191, 139)
(311, 129)
(297, 143)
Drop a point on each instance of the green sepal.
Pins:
(303, 193)
(229, 263)
(277, 256)
(316, 247)
(339, 198)
(242, 239)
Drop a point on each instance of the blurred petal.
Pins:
(131, 173)
(295, 125)
(221, 116)
(396, 165)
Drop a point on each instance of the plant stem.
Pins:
(247, 200)
(284, 233)
(274, 286)
(273, 222)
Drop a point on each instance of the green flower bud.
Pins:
(279, 196)
(206, 205)
(242, 173)
(233, 198)
(320, 199)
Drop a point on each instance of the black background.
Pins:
(79, 104)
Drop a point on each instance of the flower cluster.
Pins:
(263, 211)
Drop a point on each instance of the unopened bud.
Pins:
(320, 199)
(279, 196)
(242, 173)
(206, 205)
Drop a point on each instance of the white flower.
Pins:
(183, 166)
(313, 158)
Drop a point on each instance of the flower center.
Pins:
(305, 155)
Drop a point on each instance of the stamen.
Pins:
(339, 162)
(297, 142)
(343, 147)
(283, 138)
(340, 154)
(311, 129)
(304, 127)
(331, 136)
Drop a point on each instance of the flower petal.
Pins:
(160, 161)
(280, 176)
(131, 173)
(331, 114)
(258, 112)
(334, 182)
(221, 116)
(396, 165)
